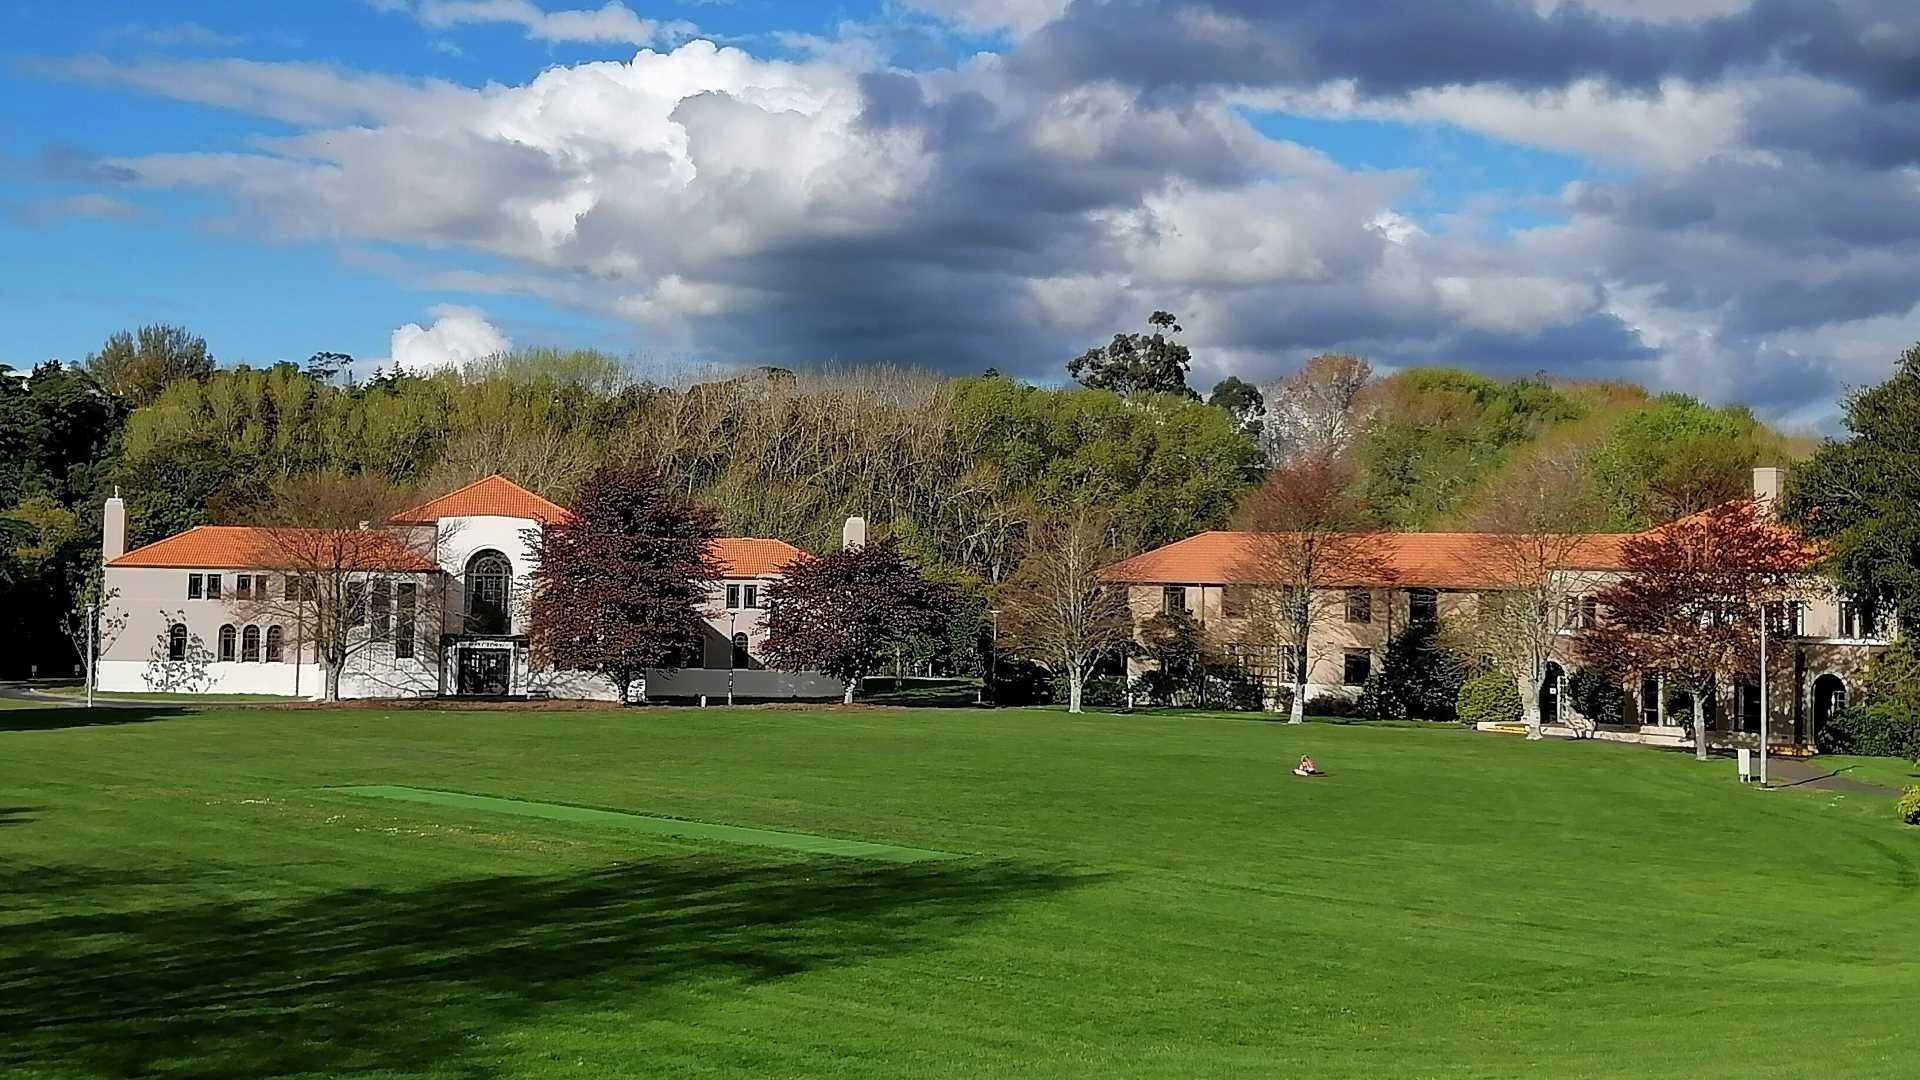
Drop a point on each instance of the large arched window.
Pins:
(740, 657)
(226, 642)
(276, 648)
(489, 589)
(250, 645)
(177, 641)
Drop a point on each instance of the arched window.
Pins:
(226, 642)
(276, 650)
(250, 645)
(740, 657)
(177, 641)
(489, 587)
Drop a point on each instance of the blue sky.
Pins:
(958, 183)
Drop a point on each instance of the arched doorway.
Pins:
(489, 586)
(1829, 697)
(1550, 693)
(740, 657)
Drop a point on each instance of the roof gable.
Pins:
(1430, 560)
(252, 547)
(492, 496)
(743, 557)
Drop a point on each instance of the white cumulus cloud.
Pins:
(459, 335)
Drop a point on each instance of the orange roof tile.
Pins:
(744, 557)
(493, 496)
(1431, 560)
(249, 547)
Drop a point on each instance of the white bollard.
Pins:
(703, 704)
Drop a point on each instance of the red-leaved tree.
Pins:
(1690, 606)
(845, 612)
(621, 580)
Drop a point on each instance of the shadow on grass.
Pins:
(56, 718)
(418, 978)
(920, 693)
(18, 815)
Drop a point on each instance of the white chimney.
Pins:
(854, 534)
(1766, 485)
(113, 528)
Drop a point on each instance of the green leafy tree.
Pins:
(1242, 401)
(1676, 457)
(1859, 497)
(1144, 363)
(1419, 680)
(139, 365)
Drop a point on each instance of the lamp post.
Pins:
(733, 658)
(993, 652)
(1766, 706)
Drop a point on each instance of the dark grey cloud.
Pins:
(1389, 47)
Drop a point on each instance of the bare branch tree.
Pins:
(1318, 410)
(1311, 541)
(1058, 609)
(1536, 541)
(336, 575)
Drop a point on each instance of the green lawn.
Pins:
(79, 693)
(1887, 772)
(1145, 896)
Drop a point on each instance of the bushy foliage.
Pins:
(1678, 457)
(1419, 680)
(1874, 729)
(1909, 805)
(849, 611)
(1597, 694)
(1489, 698)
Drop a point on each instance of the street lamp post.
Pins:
(1766, 705)
(733, 658)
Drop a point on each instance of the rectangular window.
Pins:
(405, 602)
(1357, 665)
(1856, 619)
(749, 596)
(1173, 598)
(1359, 605)
(213, 586)
(260, 583)
(733, 597)
(1589, 613)
(1235, 600)
(193, 586)
(243, 587)
(1649, 700)
(293, 588)
(356, 603)
(382, 604)
(1423, 606)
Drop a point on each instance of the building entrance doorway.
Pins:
(485, 672)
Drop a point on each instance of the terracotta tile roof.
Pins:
(494, 496)
(247, 547)
(1432, 560)
(745, 557)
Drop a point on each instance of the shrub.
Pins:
(1909, 805)
(1098, 692)
(1338, 707)
(1878, 729)
(1019, 681)
(1491, 698)
(1598, 695)
(1419, 680)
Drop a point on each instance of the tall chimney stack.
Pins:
(854, 534)
(1766, 486)
(113, 528)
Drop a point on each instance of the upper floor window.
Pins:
(177, 641)
(227, 636)
(1423, 605)
(1359, 605)
(1173, 598)
(1235, 601)
(1788, 619)
(733, 597)
(381, 605)
(276, 645)
(213, 586)
(1856, 619)
(194, 583)
(489, 589)
(749, 596)
(250, 645)
(243, 587)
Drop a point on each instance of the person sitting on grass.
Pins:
(1307, 767)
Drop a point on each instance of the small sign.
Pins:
(489, 644)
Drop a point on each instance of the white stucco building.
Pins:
(442, 587)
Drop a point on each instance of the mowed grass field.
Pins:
(184, 896)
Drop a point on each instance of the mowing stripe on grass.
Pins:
(647, 823)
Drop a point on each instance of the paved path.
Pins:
(1810, 773)
(20, 690)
